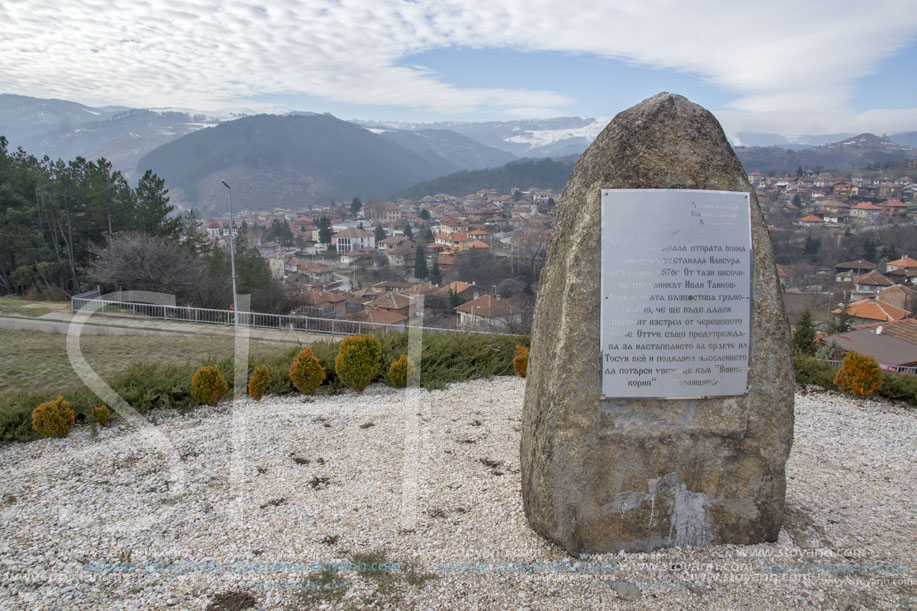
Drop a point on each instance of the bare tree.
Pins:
(136, 261)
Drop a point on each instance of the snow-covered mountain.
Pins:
(527, 138)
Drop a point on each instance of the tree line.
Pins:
(53, 212)
(65, 226)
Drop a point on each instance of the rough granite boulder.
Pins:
(602, 475)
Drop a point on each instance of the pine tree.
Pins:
(407, 231)
(192, 239)
(152, 208)
(812, 246)
(436, 275)
(454, 299)
(324, 230)
(804, 335)
(890, 253)
(420, 263)
(379, 232)
(843, 321)
(355, 206)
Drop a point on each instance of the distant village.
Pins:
(874, 297)
(474, 259)
(834, 201)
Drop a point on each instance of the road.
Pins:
(59, 322)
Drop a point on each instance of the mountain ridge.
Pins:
(851, 153)
(411, 152)
(286, 161)
(541, 173)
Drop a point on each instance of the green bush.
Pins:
(101, 414)
(16, 415)
(143, 386)
(325, 351)
(447, 357)
(150, 386)
(208, 385)
(53, 418)
(401, 372)
(830, 352)
(810, 371)
(258, 382)
(306, 372)
(899, 387)
(458, 357)
(357, 361)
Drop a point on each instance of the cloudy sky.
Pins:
(784, 66)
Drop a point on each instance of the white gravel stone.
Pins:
(244, 496)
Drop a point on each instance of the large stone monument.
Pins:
(659, 398)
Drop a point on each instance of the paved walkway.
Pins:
(59, 322)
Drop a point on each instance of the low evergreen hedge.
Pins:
(447, 358)
(895, 386)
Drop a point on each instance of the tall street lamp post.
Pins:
(232, 261)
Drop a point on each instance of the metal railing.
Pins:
(93, 294)
(280, 322)
(893, 368)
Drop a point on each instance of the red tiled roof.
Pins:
(904, 261)
(391, 301)
(874, 278)
(857, 265)
(385, 317)
(905, 330)
(873, 309)
(487, 307)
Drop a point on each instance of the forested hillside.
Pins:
(539, 173)
(290, 161)
(65, 226)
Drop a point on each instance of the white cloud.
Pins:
(776, 59)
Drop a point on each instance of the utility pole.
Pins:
(232, 261)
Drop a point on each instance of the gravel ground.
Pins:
(326, 492)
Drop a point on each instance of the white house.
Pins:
(352, 239)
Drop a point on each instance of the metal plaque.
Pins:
(676, 293)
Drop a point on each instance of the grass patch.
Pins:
(34, 359)
(324, 588)
(387, 580)
(236, 600)
(13, 306)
